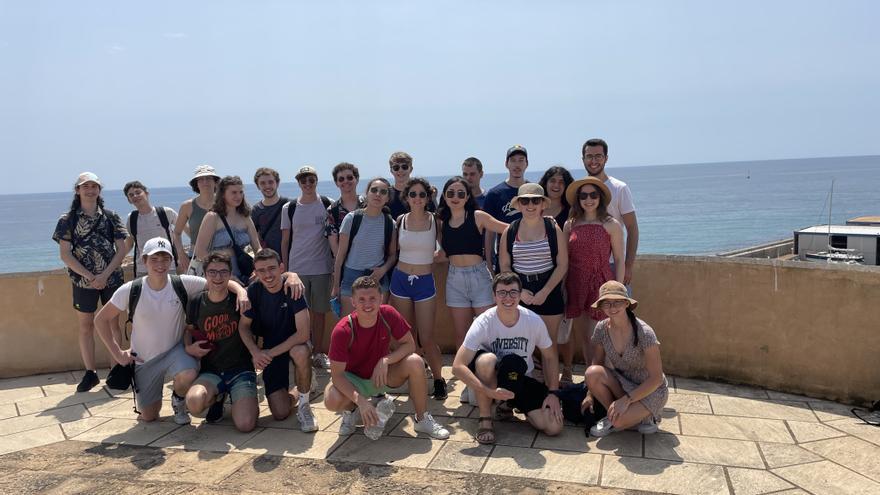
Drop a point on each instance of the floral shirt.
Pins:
(336, 212)
(93, 243)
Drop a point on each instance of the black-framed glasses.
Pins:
(309, 179)
(381, 191)
(597, 156)
(451, 194)
(345, 178)
(419, 194)
(533, 200)
(589, 195)
(402, 166)
(514, 293)
(217, 273)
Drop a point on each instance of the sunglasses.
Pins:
(403, 167)
(532, 200)
(381, 191)
(451, 194)
(310, 179)
(589, 195)
(345, 178)
(420, 194)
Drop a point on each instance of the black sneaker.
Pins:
(88, 382)
(215, 412)
(439, 389)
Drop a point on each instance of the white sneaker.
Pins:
(307, 423)
(313, 387)
(178, 405)
(350, 420)
(430, 426)
(602, 428)
(320, 360)
(648, 426)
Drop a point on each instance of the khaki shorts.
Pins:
(317, 291)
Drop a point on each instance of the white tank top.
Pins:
(417, 248)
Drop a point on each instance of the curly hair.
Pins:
(566, 177)
(417, 181)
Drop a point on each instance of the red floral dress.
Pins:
(589, 249)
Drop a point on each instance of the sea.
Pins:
(681, 209)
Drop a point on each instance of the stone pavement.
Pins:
(715, 439)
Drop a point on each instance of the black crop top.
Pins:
(466, 239)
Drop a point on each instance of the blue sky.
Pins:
(150, 90)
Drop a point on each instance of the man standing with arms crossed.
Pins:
(595, 156)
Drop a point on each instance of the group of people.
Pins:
(529, 265)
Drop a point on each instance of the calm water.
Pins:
(682, 209)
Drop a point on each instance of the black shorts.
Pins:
(473, 364)
(531, 394)
(554, 304)
(276, 376)
(85, 300)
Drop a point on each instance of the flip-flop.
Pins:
(485, 436)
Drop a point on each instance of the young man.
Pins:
(495, 362)
(497, 202)
(283, 322)
(595, 156)
(401, 165)
(346, 177)
(306, 251)
(91, 243)
(266, 214)
(146, 222)
(362, 365)
(472, 171)
(157, 330)
(212, 336)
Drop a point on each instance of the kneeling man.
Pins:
(226, 367)
(495, 362)
(362, 365)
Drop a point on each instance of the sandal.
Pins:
(503, 411)
(485, 436)
(567, 378)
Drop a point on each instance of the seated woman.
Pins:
(633, 388)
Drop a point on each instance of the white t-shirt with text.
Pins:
(488, 333)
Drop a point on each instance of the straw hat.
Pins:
(572, 190)
(529, 190)
(613, 290)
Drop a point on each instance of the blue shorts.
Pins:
(469, 286)
(415, 287)
(239, 384)
(349, 275)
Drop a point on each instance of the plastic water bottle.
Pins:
(384, 409)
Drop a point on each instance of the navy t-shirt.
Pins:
(273, 314)
(497, 203)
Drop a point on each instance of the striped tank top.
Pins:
(531, 257)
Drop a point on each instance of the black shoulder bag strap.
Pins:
(133, 225)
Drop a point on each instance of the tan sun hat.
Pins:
(529, 190)
(87, 177)
(203, 171)
(572, 190)
(613, 290)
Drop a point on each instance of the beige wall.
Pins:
(791, 326)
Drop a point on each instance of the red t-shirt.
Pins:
(370, 344)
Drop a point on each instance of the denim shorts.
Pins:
(240, 384)
(469, 286)
(349, 275)
(415, 287)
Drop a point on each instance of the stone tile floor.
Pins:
(715, 438)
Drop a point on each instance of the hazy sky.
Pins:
(149, 90)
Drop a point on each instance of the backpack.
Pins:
(549, 229)
(133, 224)
(356, 225)
(137, 286)
(291, 209)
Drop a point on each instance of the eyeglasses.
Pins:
(420, 194)
(613, 304)
(595, 157)
(532, 200)
(507, 293)
(345, 178)
(309, 179)
(217, 273)
(451, 194)
(403, 167)
(381, 191)
(589, 195)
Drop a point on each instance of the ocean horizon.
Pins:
(682, 209)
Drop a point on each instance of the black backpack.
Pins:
(163, 219)
(137, 286)
(356, 225)
(549, 228)
(291, 209)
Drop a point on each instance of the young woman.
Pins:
(527, 249)
(412, 281)
(633, 387)
(367, 245)
(469, 283)
(230, 205)
(554, 181)
(593, 236)
(192, 212)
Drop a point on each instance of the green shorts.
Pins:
(317, 291)
(365, 386)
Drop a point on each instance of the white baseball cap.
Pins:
(157, 245)
(87, 177)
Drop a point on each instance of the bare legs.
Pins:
(461, 320)
(424, 328)
(606, 389)
(86, 324)
(245, 410)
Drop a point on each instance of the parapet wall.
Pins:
(798, 327)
